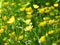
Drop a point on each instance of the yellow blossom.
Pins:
(29, 13)
(47, 3)
(46, 18)
(42, 23)
(20, 37)
(4, 39)
(52, 14)
(5, 43)
(12, 34)
(1, 31)
(54, 43)
(42, 39)
(52, 22)
(12, 4)
(1, 10)
(35, 6)
(56, 5)
(4, 18)
(29, 9)
(27, 21)
(42, 10)
(28, 28)
(11, 20)
(22, 9)
(28, 16)
(5, 3)
(51, 32)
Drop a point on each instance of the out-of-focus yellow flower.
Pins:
(29, 9)
(12, 4)
(47, 3)
(12, 34)
(4, 27)
(58, 41)
(42, 23)
(34, 39)
(1, 10)
(4, 39)
(51, 32)
(46, 18)
(1, 31)
(28, 28)
(46, 34)
(35, 6)
(56, 5)
(51, 22)
(29, 13)
(52, 14)
(28, 16)
(11, 20)
(19, 4)
(47, 11)
(54, 43)
(27, 21)
(0, 34)
(42, 39)
(5, 3)
(57, 17)
(5, 43)
(42, 10)
(22, 9)
(20, 37)
(4, 18)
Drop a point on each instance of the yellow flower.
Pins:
(51, 32)
(4, 39)
(20, 37)
(1, 31)
(29, 9)
(35, 6)
(34, 39)
(28, 28)
(4, 18)
(22, 9)
(4, 27)
(46, 34)
(12, 34)
(46, 18)
(51, 22)
(56, 5)
(28, 21)
(5, 3)
(42, 23)
(54, 43)
(52, 14)
(12, 4)
(1, 10)
(42, 39)
(42, 10)
(47, 3)
(28, 16)
(11, 20)
(5, 43)
(57, 17)
(47, 11)
(29, 13)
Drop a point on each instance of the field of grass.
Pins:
(29, 22)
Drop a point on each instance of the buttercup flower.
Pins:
(56, 5)
(35, 6)
(42, 39)
(11, 20)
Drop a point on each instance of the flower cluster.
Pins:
(23, 22)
